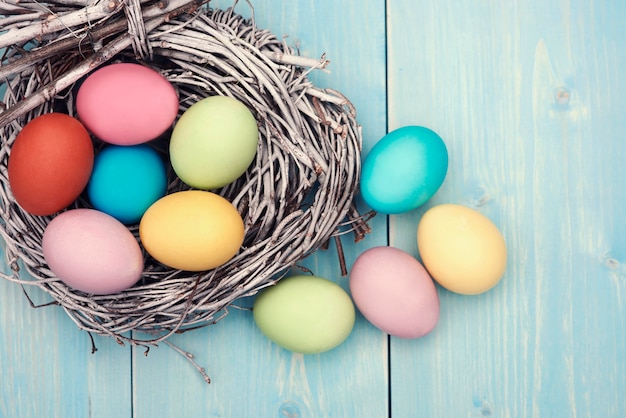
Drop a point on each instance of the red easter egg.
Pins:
(50, 163)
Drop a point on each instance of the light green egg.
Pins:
(305, 314)
(213, 142)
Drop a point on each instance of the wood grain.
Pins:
(529, 97)
(251, 376)
(46, 365)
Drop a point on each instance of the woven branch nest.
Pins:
(295, 197)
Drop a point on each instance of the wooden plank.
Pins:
(47, 367)
(46, 362)
(252, 376)
(529, 98)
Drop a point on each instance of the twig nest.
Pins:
(293, 198)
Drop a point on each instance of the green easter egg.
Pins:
(305, 314)
(213, 142)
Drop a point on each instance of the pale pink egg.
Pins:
(92, 252)
(394, 292)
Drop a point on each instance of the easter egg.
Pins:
(394, 292)
(50, 163)
(126, 103)
(404, 170)
(192, 230)
(305, 314)
(92, 252)
(213, 142)
(126, 181)
(461, 249)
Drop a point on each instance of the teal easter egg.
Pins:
(404, 170)
(126, 181)
(305, 314)
(213, 142)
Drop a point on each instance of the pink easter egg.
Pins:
(394, 292)
(92, 252)
(126, 104)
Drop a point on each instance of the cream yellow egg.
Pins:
(192, 230)
(463, 250)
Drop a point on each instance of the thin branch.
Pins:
(296, 195)
(56, 23)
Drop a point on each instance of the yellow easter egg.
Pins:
(192, 230)
(461, 248)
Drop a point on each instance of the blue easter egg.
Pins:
(126, 181)
(403, 170)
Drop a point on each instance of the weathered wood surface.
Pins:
(529, 97)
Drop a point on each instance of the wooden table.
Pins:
(530, 98)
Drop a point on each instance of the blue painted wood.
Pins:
(252, 376)
(46, 365)
(529, 98)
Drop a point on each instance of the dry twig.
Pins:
(295, 196)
